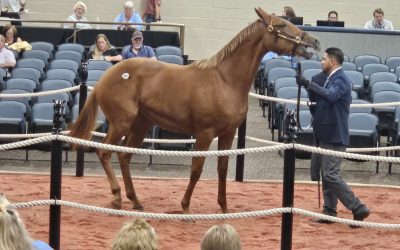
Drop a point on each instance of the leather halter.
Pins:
(297, 40)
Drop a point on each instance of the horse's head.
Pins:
(283, 37)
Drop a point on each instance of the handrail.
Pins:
(177, 25)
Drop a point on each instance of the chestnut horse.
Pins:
(207, 99)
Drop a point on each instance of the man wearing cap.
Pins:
(137, 49)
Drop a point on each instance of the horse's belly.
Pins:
(174, 122)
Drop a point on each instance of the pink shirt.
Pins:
(151, 6)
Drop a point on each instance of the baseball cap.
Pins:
(137, 34)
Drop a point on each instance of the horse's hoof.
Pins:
(225, 210)
(138, 207)
(116, 204)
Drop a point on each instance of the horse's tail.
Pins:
(86, 122)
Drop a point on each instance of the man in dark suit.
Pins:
(331, 129)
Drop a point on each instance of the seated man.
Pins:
(333, 16)
(137, 49)
(379, 22)
(7, 59)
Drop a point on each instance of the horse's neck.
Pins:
(241, 66)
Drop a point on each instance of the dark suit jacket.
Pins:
(331, 117)
(319, 79)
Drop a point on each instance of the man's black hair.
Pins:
(336, 54)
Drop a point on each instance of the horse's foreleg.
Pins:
(112, 137)
(203, 142)
(224, 143)
(134, 139)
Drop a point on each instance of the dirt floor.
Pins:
(87, 230)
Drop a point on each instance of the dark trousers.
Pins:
(334, 188)
(149, 19)
(13, 15)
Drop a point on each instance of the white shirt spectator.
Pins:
(386, 25)
(10, 5)
(6, 56)
(73, 17)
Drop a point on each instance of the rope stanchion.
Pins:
(289, 169)
(240, 158)
(80, 154)
(56, 177)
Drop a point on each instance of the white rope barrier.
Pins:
(177, 141)
(193, 217)
(345, 154)
(41, 93)
(45, 137)
(303, 103)
(232, 152)
(20, 144)
(173, 153)
(263, 97)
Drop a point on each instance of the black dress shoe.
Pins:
(360, 217)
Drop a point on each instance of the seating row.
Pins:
(35, 115)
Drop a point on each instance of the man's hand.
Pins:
(302, 81)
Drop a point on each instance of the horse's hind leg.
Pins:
(113, 136)
(134, 139)
(224, 143)
(203, 142)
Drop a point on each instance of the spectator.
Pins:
(13, 234)
(11, 35)
(7, 59)
(331, 131)
(104, 51)
(333, 16)
(221, 237)
(289, 12)
(153, 12)
(128, 16)
(136, 235)
(137, 49)
(379, 22)
(12, 9)
(271, 55)
(79, 10)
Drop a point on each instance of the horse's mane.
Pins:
(213, 61)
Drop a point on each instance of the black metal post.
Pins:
(288, 181)
(240, 158)
(80, 153)
(56, 176)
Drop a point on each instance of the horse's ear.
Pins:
(262, 14)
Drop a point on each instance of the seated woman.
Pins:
(79, 10)
(11, 34)
(104, 51)
(13, 234)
